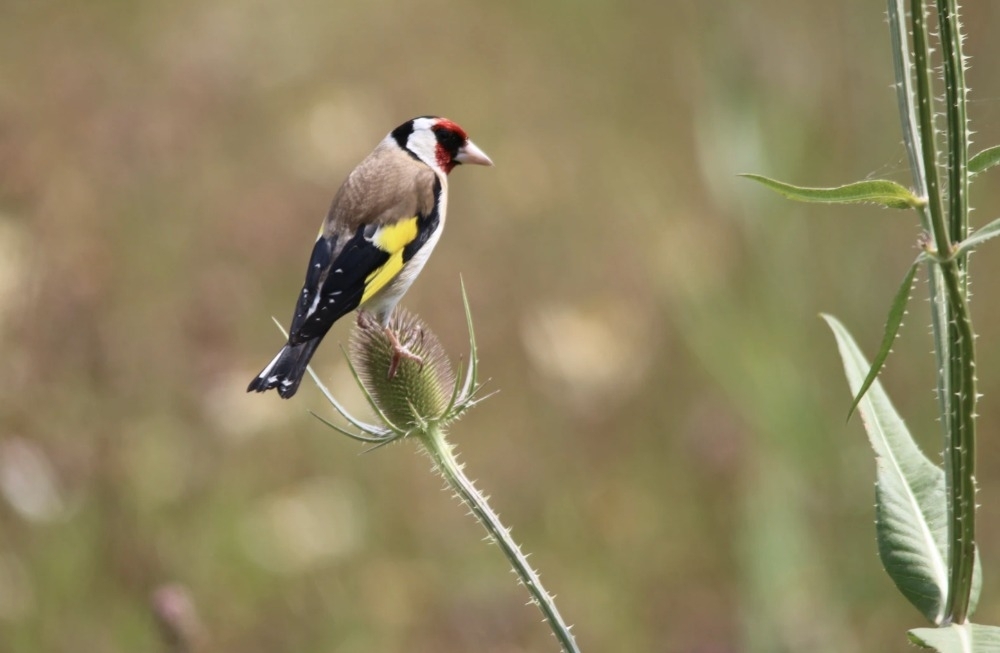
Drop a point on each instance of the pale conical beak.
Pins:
(469, 153)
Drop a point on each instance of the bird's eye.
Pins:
(449, 140)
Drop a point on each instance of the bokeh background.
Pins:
(669, 438)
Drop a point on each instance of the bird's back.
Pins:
(388, 185)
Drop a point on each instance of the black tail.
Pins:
(285, 371)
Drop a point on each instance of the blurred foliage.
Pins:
(669, 438)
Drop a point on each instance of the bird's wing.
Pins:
(348, 268)
(334, 285)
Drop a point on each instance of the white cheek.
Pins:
(423, 143)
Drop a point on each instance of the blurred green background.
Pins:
(669, 438)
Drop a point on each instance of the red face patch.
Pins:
(450, 139)
(444, 159)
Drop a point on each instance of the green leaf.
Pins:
(965, 638)
(874, 191)
(977, 585)
(992, 230)
(892, 323)
(911, 512)
(911, 519)
(984, 160)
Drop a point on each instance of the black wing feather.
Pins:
(319, 263)
(340, 284)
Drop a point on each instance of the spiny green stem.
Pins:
(904, 95)
(961, 452)
(961, 444)
(957, 117)
(953, 333)
(441, 451)
(925, 113)
(941, 307)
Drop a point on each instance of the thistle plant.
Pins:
(420, 402)
(925, 513)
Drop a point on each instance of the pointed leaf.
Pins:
(356, 436)
(872, 191)
(472, 376)
(992, 230)
(984, 160)
(977, 585)
(887, 432)
(911, 520)
(892, 323)
(965, 638)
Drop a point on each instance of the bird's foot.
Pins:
(401, 351)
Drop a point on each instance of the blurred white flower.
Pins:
(28, 481)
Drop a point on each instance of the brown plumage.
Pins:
(386, 185)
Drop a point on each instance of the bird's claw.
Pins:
(400, 352)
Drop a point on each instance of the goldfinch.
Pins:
(382, 226)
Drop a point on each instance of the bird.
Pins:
(382, 226)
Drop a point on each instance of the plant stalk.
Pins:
(957, 117)
(442, 453)
(925, 120)
(903, 67)
(961, 444)
(953, 333)
(960, 450)
(926, 174)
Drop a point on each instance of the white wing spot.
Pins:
(312, 309)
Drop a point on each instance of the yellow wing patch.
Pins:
(394, 237)
(391, 239)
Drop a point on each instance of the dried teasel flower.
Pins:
(418, 392)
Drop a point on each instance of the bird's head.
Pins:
(439, 143)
